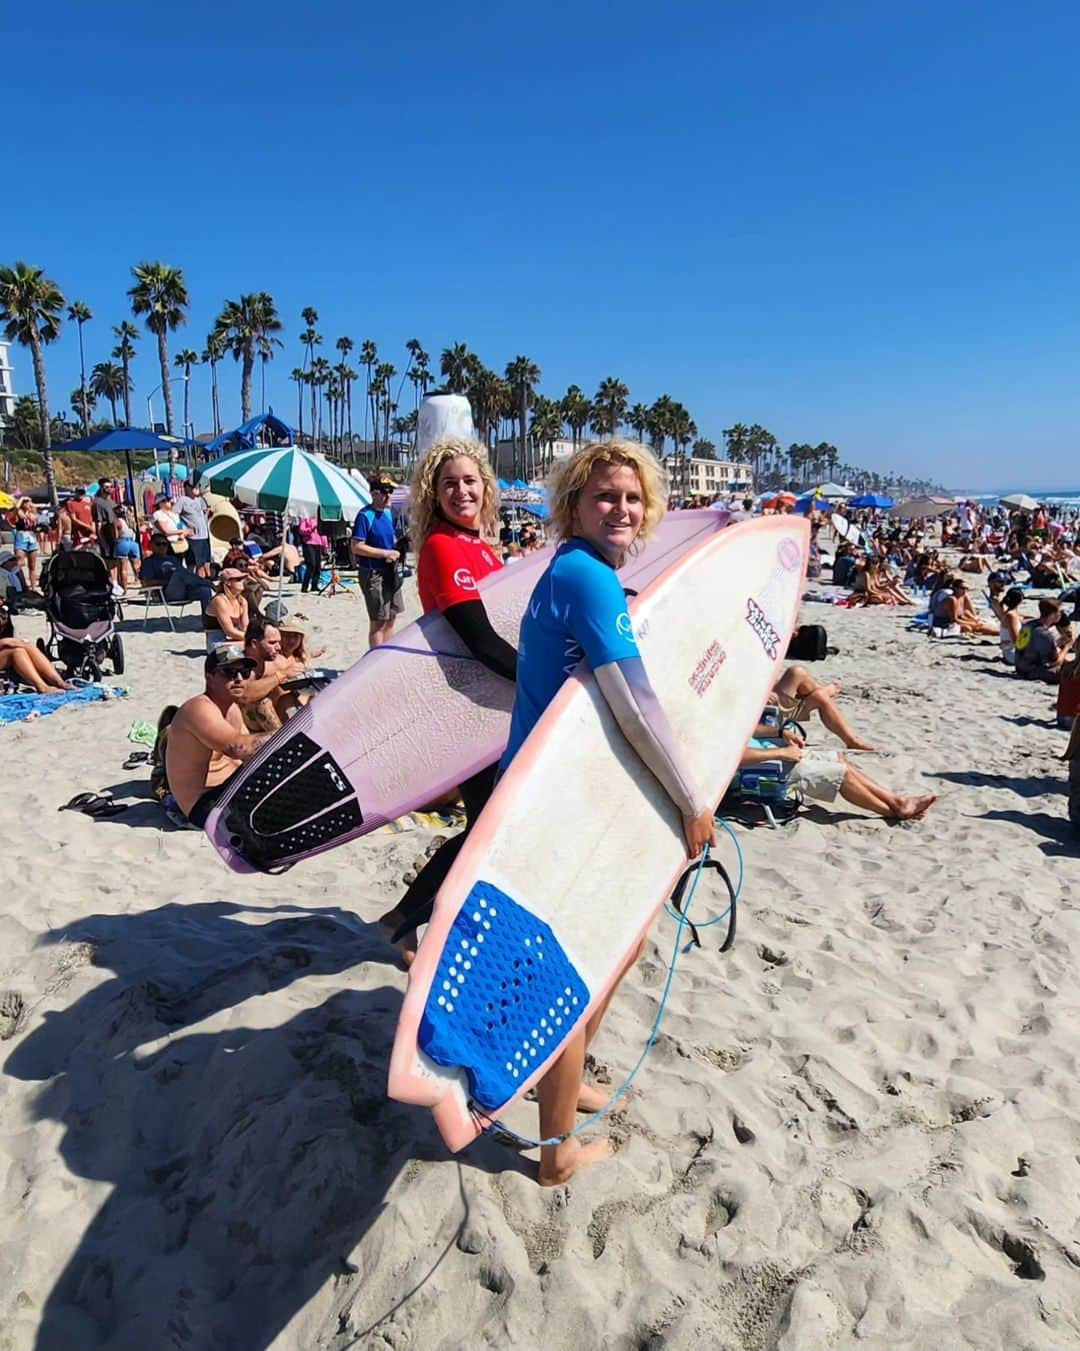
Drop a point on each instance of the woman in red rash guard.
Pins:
(453, 524)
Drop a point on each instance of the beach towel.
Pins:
(25, 707)
(143, 733)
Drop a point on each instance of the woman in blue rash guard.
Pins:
(604, 497)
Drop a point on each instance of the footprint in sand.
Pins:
(12, 1008)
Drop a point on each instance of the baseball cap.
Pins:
(232, 574)
(381, 485)
(290, 625)
(226, 655)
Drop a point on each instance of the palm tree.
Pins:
(638, 418)
(546, 427)
(609, 406)
(82, 405)
(369, 355)
(522, 375)
(384, 374)
(124, 351)
(736, 441)
(212, 354)
(300, 376)
(107, 382)
(79, 311)
(318, 377)
(682, 430)
(456, 365)
(161, 294)
(488, 395)
(246, 327)
(30, 310)
(576, 410)
(660, 422)
(184, 361)
(345, 346)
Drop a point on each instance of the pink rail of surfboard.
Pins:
(406, 723)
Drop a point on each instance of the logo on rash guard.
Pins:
(624, 625)
(464, 579)
(759, 622)
(573, 652)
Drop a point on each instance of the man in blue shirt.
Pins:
(376, 559)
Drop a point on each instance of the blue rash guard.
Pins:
(578, 609)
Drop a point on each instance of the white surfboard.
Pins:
(580, 844)
(409, 721)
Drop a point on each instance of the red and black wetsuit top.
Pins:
(452, 561)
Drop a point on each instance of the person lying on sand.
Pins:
(824, 774)
(207, 739)
(797, 694)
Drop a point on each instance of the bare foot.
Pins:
(912, 808)
(408, 943)
(857, 745)
(592, 1099)
(832, 689)
(570, 1158)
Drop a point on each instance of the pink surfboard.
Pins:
(406, 723)
(580, 845)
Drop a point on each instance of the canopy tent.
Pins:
(121, 439)
(538, 509)
(876, 500)
(833, 492)
(1020, 500)
(265, 431)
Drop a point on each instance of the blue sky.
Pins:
(853, 223)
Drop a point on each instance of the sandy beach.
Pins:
(860, 1127)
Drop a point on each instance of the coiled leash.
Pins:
(679, 912)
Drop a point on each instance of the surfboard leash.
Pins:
(681, 917)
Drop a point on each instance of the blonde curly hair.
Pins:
(424, 487)
(569, 478)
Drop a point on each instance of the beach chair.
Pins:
(760, 795)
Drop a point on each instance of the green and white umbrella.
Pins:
(287, 479)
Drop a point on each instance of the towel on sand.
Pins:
(21, 707)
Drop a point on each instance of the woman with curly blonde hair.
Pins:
(604, 498)
(453, 521)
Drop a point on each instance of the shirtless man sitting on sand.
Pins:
(263, 703)
(208, 741)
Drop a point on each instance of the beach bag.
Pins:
(809, 642)
(761, 795)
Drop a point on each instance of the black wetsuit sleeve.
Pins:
(470, 622)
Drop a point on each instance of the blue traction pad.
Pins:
(504, 996)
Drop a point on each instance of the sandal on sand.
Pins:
(136, 758)
(78, 802)
(105, 806)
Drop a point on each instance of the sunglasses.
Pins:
(232, 673)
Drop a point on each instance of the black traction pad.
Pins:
(289, 807)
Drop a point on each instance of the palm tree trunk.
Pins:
(247, 366)
(166, 388)
(112, 404)
(127, 392)
(43, 413)
(300, 410)
(82, 384)
(348, 405)
(214, 398)
(187, 398)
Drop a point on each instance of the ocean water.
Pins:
(1069, 500)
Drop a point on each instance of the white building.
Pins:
(706, 478)
(503, 457)
(7, 387)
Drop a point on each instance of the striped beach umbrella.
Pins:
(287, 479)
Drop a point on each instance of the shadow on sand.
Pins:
(1062, 839)
(1025, 785)
(245, 1161)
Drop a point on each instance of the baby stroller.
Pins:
(80, 608)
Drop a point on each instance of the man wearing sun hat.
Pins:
(207, 740)
(373, 547)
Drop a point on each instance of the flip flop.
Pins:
(78, 802)
(135, 759)
(105, 807)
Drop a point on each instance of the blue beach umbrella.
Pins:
(878, 501)
(116, 441)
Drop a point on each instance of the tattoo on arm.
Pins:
(244, 750)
